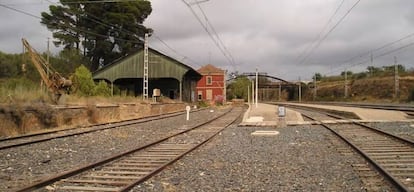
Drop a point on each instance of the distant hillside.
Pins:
(369, 89)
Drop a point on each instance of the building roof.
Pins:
(209, 68)
(131, 66)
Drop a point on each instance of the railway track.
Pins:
(319, 116)
(391, 155)
(123, 171)
(409, 109)
(406, 108)
(28, 139)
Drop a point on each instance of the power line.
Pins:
(209, 33)
(74, 2)
(98, 21)
(98, 1)
(215, 33)
(65, 25)
(100, 35)
(387, 53)
(329, 32)
(175, 51)
(367, 53)
(323, 29)
(20, 11)
(378, 56)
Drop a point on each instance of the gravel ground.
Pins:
(403, 129)
(23, 165)
(300, 158)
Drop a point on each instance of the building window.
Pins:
(209, 80)
(200, 95)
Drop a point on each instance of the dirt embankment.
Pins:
(29, 118)
(372, 90)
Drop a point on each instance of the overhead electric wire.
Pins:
(369, 53)
(381, 47)
(209, 33)
(97, 1)
(104, 24)
(329, 32)
(323, 29)
(96, 20)
(376, 56)
(215, 33)
(20, 11)
(72, 2)
(175, 51)
(65, 25)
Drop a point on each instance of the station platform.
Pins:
(375, 115)
(268, 115)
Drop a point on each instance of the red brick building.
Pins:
(211, 87)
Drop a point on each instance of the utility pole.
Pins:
(253, 92)
(314, 87)
(396, 79)
(257, 85)
(346, 84)
(300, 90)
(145, 78)
(248, 95)
(280, 91)
(47, 60)
(224, 87)
(48, 50)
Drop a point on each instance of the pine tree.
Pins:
(105, 30)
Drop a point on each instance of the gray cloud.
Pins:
(269, 35)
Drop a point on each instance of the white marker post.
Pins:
(281, 113)
(188, 108)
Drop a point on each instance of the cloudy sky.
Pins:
(284, 38)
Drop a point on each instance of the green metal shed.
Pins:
(175, 79)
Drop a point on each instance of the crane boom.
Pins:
(56, 83)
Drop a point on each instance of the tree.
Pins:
(317, 77)
(64, 22)
(374, 70)
(348, 73)
(67, 61)
(105, 30)
(10, 65)
(238, 88)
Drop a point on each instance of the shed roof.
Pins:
(132, 66)
(209, 68)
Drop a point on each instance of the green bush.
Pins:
(21, 83)
(83, 84)
(102, 89)
(202, 104)
(411, 97)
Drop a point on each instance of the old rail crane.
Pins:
(56, 83)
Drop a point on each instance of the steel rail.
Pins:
(404, 108)
(127, 188)
(411, 142)
(53, 179)
(400, 186)
(90, 130)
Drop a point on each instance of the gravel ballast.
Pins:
(300, 158)
(28, 164)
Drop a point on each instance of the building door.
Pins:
(171, 94)
(209, 94)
